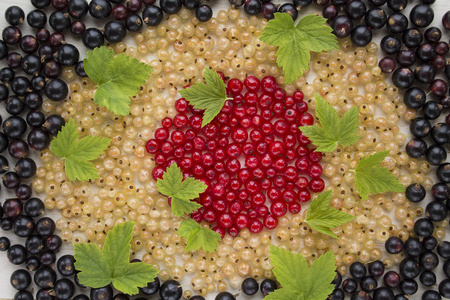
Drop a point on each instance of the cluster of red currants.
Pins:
(252, 156)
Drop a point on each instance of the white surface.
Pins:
(6, 268)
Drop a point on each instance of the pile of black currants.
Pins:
(267, 9)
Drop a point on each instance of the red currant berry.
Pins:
(242, 221)
(220, 231)
(315, 170)
(235, 86)
(166, 122)
(161, 134)
(316, 185)
(269, 84)
(252, 83)
(225, 220)
(239, 135)
(304, 195)
(281, 128)
(270, 221)
(255, 226)
(258, 198)
(298, 96)
(278, 208)
(233, 231)
(152, 146)
(180, 121)
(181, 105)
(294, 207)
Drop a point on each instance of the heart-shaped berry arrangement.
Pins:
(252, 156)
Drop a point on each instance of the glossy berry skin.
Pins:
(426, 52)
(11, 35)
(170, 290)
(403, 78)
(92, 38)
(420, 127)
(428, 260)
(16, 254)
(427, 278)
(415, 192)
(408, 286)
(406, 58)
(440, 191)
(430, 243)
(14, 15)
(391, 279)
(23, 295)
(431, 295)
(34, 207)
(114, 31)
(390, 44)
(59, 21)
(421, 15)
(375, 18)
(250, 286)
(443, 172)
(268, 10)
(413, 247)
(65, 265)
(387, 64)
(151, 288)
(18, 148)
(435, 211)
(394, 245)
(133, 23)
(376, 268)
(37, 18)
(290, 9)
(77, 9)
(23, 226)
(252, 7)
(225, 296)
(64, 289)
(444, 288)
(330, 12)
(350, 285)
(192, 4)
(100, 9)
(38, 139)
(67, 55)
(397, 5)
(440, 133)
(436, 155)
(361, 35)
(170, 6)
(368, 284)
(423, 227)
(20, 279)
(25, 167)
(268, 286)
(355, 9)
(425, 73)
(101, 293)
(383, 293)
(412, 37)
(357, 270)
(397, 23)
(35, 244)
(342, 26)
(152, 15)
(56, 89)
